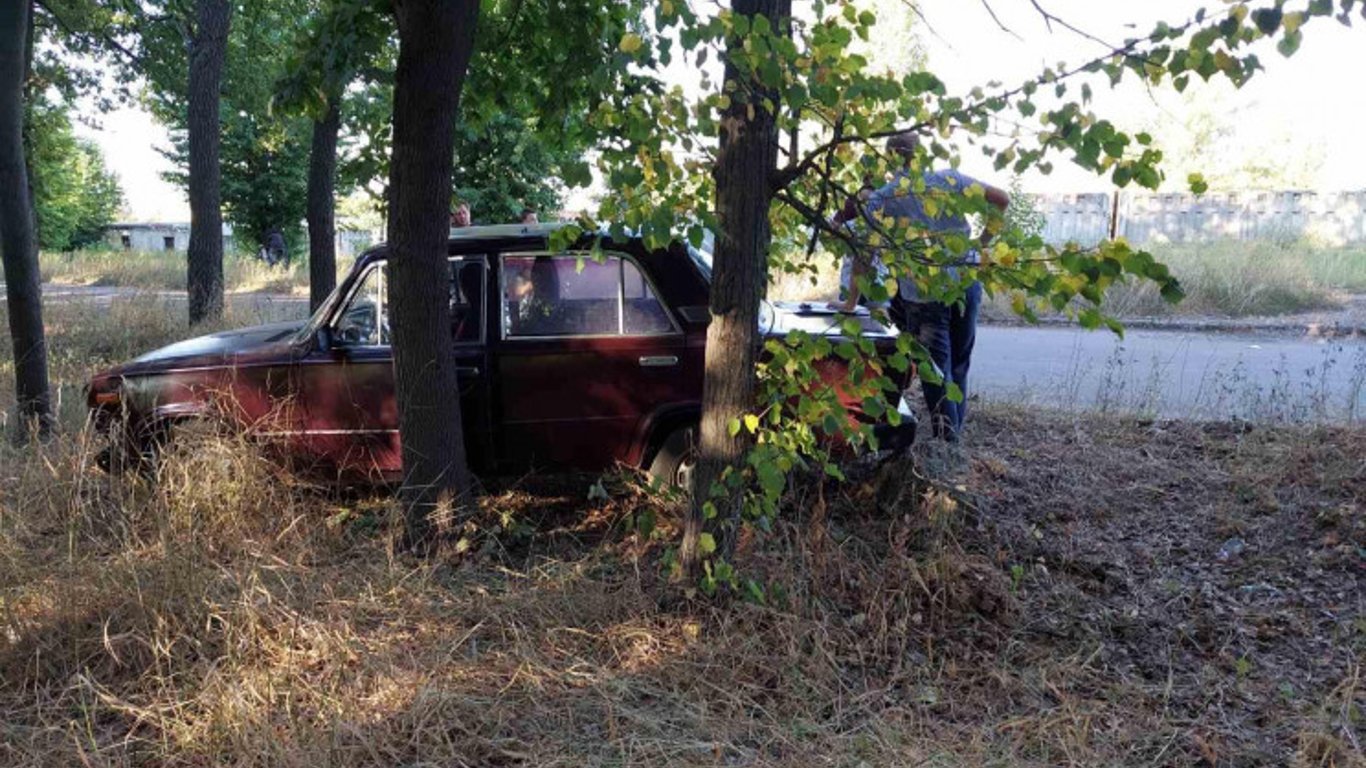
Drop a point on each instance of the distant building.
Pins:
(156, 236)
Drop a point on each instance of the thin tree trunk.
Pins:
(748, 155)
(436, 39)
(322, 206)
(18, 240)
(204, 275)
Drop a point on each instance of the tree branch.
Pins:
(992, 11)
(103, 36)
(1049, 19)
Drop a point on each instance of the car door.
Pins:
(348, 388)
(587, 351)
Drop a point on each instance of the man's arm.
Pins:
(852, 292)
(995, 222)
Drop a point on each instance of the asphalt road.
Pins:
(1169, 374)
(1174, 374)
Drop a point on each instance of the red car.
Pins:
(564, 361)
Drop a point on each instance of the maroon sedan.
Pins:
(565, 360)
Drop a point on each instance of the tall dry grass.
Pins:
(225, 613)
(165, 271)
(1235, 279)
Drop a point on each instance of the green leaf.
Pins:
(1290, 43)
(706, 544)
(1197, 183)
(733, 427)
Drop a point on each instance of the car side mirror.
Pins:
(322, 339)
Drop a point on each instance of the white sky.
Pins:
(1314, 97)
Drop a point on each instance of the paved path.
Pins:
(1174, 374)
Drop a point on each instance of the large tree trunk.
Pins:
(322, 206)
(18, 240)
(204, 279)
(744, 166)
(436, 39)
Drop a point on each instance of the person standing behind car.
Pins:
(858, 264)
(460, 215)
(947, 332)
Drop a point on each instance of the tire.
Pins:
(676, 458)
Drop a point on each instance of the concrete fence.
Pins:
(1333, 218)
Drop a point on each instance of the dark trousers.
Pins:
(948, 333)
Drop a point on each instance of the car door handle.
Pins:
(466, 371)
(658, 361)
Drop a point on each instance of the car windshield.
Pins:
(701, 256)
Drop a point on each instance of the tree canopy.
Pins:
(74, 195)
(833, 112)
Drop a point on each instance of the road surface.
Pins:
(1169, 374)
(1174, 374)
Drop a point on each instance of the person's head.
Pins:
(520, 287)
(529, 216)
(903, 146)
(460, 214)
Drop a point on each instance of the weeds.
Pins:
(228, 614)
(165, 271)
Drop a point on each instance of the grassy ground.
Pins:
(229, 615)
(1247, 279)
(165, 271)
(1228, 279)
(1053, 596)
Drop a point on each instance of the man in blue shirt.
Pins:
(934, 215)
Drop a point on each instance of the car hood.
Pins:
(778, 318)
(219, 346)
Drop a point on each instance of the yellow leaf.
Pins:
(751, 423)
(631, 43)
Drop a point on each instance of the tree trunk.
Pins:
(436, 39)
(747, 157)
(322, 206)
(204, 278)
(18, 240)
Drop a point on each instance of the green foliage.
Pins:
(503, 165)
(835, 111)
(538, 70)
(1023, 216)
(74, 195)
(264, 154)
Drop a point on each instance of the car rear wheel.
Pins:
(676, 459)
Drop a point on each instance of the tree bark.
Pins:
(322, 206)
(745, 163)
(204, 274)
(18, 239)
(436, 39)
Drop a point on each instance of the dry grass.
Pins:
(165, 271)
(1055, 597)
(228, 614)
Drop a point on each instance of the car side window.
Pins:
(643, 314)
(365, 321)
(467, 301)
(577, 295)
